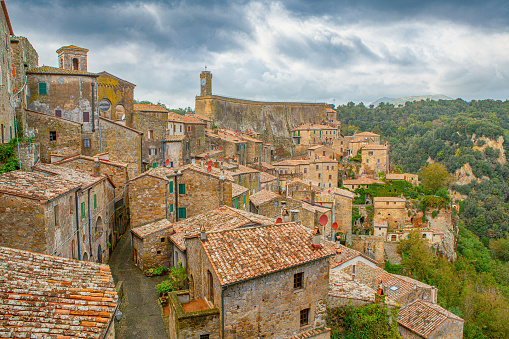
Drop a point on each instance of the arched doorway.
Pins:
(99, 255)
(85, 256)
(98, 225)
(75, 64)
(119, 112)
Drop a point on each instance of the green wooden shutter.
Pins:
(182, 188)
(244, 199)
(171, 186)
(171, 208)
(95, 201)
(236, 203)
(182, 213)
(82, 210)
(154, 164)
(42, 88)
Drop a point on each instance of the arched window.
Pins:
(119, 112)
(210, 284)
(75, 64)
(85, 256)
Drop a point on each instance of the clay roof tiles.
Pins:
(79, 177)
(149, 108)
(151, 228)
(292, 162)
(43, 296)
(241, 169)
(424, 318)
(366, 134)
(59, 71)
(267, 165)
(35, 185)
(238, 190)
(247, 253)
(266, 177)
(394, 176)
(309, 126)
(175, 138)
(375, 147)
(222, 218)
(185, 119)
(84, 157)
(262, 197)
(361, 181)
(72, 47)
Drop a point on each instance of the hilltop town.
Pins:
(240, 219)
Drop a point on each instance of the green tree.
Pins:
(435, 176)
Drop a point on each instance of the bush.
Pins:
(176, 280)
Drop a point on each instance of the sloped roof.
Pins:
(375, 147)
(266, 177)
(247, 253)
(79, 177)
(366, 134)
(361, 181)
(175, 138)
(292, 162)
(262, 197)
(238, 190)
(151, 228)
(222, 218)
(384, 199)
(185, 119)
(51, 297)
(424, 318)
(59, 71)
(72, 47)
(84, 157)
(149, 108)
(34, 185)
(394, 176)
(309, 126)
(109, 75)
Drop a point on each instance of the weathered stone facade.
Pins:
(323, 171)
(118, 93)
(391, 211)
(154, 132)
(152, 249)
(54, 134)
(375, 159)
(7, 114)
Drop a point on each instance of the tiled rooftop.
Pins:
(241, 169)
(225, 136)
(160, 172)
(215, 172)
(84, 157)
(267, 166)
(312, 208)
(375, 147)
(246, 253)
(342, 192)
(222, 218)
(43, 296)
(309, 126)
(151, 228)
(185, 119)
(34, 185)
(200, 117)
(149, 108)
(423, 317)
(291, 162)
(238, 190)
(342, 285)
(266, 177)
(366, 134)
(387, 199)
(360, 181)
(57, 71)
(394, 176)
(72, 47)
(262, 197)
(79, 177)
(243, 136)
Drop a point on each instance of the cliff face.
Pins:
(274, 120)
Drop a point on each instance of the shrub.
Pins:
(176, 280)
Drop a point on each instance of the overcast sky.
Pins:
(295, 50)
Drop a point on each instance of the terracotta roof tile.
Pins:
(266, 177)
(149, 108)
(225, 136)
(242, 135)
(238, 190)
(82, 178)
(262, 197)
(375, 147)
(342, 285)
(184, 119)
(311, 333)
(366, 134)
(35, 185)
(394, 176)
(72, 47)
(313, 208)
(59, 71)
(84, 157)
(174, 138)
(361, 181)
(423, 317)
(222, 218)
(246, 253)
(309, 126)
(241, 169)
(292, 162)
(151, 228)
(200, 117)
(43, 296)
(267, 165)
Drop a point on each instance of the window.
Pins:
(370, 153)
(75, 64)
(82, 210)
(152, 151)
(150, 134)
(154, 164)
(378, 160)
(298, 280)
(86, 143)
(367, 161)
(95, 201)
(236, 203)
(189, 129)
(204, 336)
(327, 168)
(330, 177)
(316, 166)
(180, 128)
(42, 88)
(158, 252)
(305, 170)
(244, 199)
(210, 281)
(333, 168)
(323, 153)
(319, 175)
(171, 186)
(171, 208)
(52, 135)
(182, 188)
(55, 209)
(182, 213)
(58, 113)
(163, 239)
(86, 117)
(304, 317)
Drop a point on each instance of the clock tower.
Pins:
(206, 82)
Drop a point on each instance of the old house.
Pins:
(392, 211)
(307, 135)
(409, 177)
(95, 201)
(323, 171)
(234, 147)
(55, 134)
(320, 151)
(176, 150)
(208, 120)
(7, 84)
(39, 213)
(263, 281)
(375, 159)
(150, 245)
(193, 128)
(361, 182)
(52, 297)
(310, 217)
(116, 97)
(268, 182)
(266, 203)
(247, 177)
(254, 147)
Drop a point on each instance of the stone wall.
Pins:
(68, 134)
(145, 123)
(324, 173)
(154, 250)
(274, 120)
(29, 154)
(175, 152)
(119, 93)
(7, 126)
(343, 215)
(198, 143)
(372, 246)
(395, 214)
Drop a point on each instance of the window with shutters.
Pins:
(154, 164)
(86, 143)
(182, 212)
(170, 184)
(42, 88)
(182, 188)
(95, 201)
(82, 210)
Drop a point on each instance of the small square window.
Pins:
(86, 117)
(298, 280)
(150, 134)
(58, 113)
(158, 252)
(163, 239)
(86, 143)
(204, 336)
(52, 135)
(304, 317)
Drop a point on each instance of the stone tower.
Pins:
(206, 83)
(72, 58)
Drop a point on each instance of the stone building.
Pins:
(64, 298)
(320, 151)
(39, 213)
(209, 121)
(361, 182)
(323, 171)
(150, 245)
(152, 196)
(308, 135)
(176, 150)
(266, 281)
(411, 178)
(193, 128)
(7, 84)
(310, 217)
(95, 205)
(268, 182)
(116, 172)
(116, 97)
(247, 177)
(375, 159)
(392, 211)
(234, 147)
(289, 166)
(266, 203)
(54, 134)
(254, 151)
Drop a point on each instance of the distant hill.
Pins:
(402, 101)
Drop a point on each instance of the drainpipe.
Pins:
(89, 224)
(141, 154)
(93, 108)
(77, 223)
(222, 312)
(176, 192)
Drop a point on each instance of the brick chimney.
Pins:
(203, 235)
(97, 166)
(317, 237)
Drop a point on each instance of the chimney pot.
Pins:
(203, 234)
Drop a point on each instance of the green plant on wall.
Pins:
(8, 160)
(176, 280)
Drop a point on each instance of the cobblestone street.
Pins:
(141, 317)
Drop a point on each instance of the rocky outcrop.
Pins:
(495, 144)
(464, 175)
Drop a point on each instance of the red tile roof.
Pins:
(394, 176)
(266, 177)
(219, 219)
(151, 228)
(149, 108)
(33, 185)
(185, 119)
(59, 71)
(79, 177)
(238, 190)
(424, 318)
(247, 253)
(375, 147)
(366, 134)
(72, 47)
(43, 296)
(262, 197)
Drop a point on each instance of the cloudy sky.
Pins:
(295, 50)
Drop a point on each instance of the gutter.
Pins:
(93, 108)
(77, 223)
(105, 335)
(89, 225)
(222, 312)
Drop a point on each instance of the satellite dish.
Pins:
(335, 226)
(279, 221)
(323, 219)
(167, 162)
(329, 191)
(321, 203)
(210, 163)
(221, 158)
(209, 169)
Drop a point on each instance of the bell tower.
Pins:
(72, 58)
(206, 82)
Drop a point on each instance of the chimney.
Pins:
(203, 235)
(380, 295)
(433, 295)
(285, 215)
(221, 189)
(97, 166)
(317, 237)
(313, 196)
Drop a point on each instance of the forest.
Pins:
(455, 133)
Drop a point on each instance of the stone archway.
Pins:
(85, 256)
(119, 112)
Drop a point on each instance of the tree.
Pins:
(435, 176)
